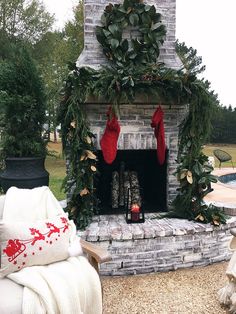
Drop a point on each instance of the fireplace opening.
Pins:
(140, 170)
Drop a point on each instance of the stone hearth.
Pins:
(158, 245)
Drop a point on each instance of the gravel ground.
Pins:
(186, 291)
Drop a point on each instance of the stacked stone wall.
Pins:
(158, 244)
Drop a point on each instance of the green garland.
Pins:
(79, 149)
(194, 171)
(122, 82)
(133, 13)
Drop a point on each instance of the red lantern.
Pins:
(135, 212)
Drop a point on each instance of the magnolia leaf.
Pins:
(147, 8)
(109, 7)
(183, 173)
(93, 168)
(125, 80)
(129, 10)
(106, 33)
(190, 180)
(144, 30)
(125, 45)
(126, 4)
(103, 19)
(200, 217)
(155, 26)
(189, 177)
(88, 140)
(131, 81)
(215, 222)
(124, 24)
(212, 178)
(73, 210)
(100, 35)
(134, 19)
(146, 19)
(152, 11)
(189, 143)
(85, 191)
(208, 168)
(192, 132)
(83, 157)
(121, 9)
(73, 124)
(113, 28)
(202, 180)
(135, 43)
(189, 173)
(114, 43)
(90, 155)
(132, 55)
(197, 168)
(157, 18)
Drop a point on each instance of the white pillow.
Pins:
(35, 243)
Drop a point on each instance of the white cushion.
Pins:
(10, 297)
(33, 243)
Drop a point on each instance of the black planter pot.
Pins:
(24, 173)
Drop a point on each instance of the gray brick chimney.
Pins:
(92, 54)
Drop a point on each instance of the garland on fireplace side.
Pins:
(132, 72)
(77, 141)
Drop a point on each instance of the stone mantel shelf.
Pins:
(139, 100)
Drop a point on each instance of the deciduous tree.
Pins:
(24, 19)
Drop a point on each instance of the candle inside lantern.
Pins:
(135, 211)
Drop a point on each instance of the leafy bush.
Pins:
(22, 104)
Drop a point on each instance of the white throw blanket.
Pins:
(66, 287)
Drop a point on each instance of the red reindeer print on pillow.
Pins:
(14, 248)
(34, 243)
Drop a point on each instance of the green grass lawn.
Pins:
(57, 170)
(229, 148)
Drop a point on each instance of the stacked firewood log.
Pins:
(125, 188)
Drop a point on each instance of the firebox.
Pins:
(152, 181)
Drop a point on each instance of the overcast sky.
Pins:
(207, 25)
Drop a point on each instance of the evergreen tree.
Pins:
(23, 104)
(54, 52)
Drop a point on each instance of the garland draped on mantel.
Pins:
(134, 70)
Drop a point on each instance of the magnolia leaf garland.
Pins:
(79, 149)
(139, 17)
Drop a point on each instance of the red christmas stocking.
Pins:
(110, 137)
(158, 125)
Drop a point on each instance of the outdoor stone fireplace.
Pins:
(136, 140)
(157, 244)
